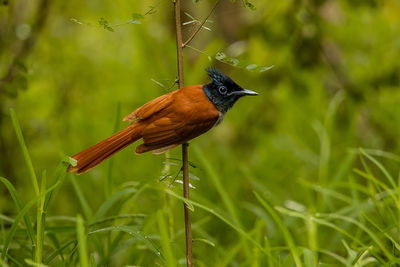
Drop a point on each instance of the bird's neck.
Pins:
(222, 104)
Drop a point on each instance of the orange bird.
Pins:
(169, 120)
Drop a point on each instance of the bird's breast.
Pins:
(191, 106)
(221, 117)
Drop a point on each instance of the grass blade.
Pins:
(219, 216)
(60, 175)
(32, 263)
(92, 261)
(380, 166)
(133, 231)
(85, 206)
(108, 186)
(288, 237)
(59, 251)
(3, 263)
(25, 152)
(21, 215)
(116, 217)
(387, 253)
(82, 245)
(106, 206)
(17, 199)
(327, 224)
(218, 185)
(396, 244)
(165, 240)
(40, 222)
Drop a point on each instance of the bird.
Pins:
(168, 120)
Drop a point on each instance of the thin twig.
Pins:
(200, 26)
(198, 50)
(188, 226)
(179, 47)
(185, 165)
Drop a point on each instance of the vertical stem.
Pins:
(40, 222)
(185, 165)
(179, 47)
(188, 227)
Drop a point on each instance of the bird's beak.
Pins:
(244, 92)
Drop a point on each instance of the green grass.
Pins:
(82, 244)
(359, 229)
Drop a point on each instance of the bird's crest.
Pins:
(217, 76)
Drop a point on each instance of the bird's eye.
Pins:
(222, 90)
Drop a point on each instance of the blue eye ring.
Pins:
(222, 90)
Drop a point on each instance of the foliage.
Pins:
(305, 174)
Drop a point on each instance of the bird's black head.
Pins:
(223, 92)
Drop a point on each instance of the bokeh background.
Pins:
(334, 88)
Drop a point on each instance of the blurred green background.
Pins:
(334, 88)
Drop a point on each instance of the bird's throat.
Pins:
(221, 103)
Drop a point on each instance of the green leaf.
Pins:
(205, 241)
(76, 21)
(251, 67)
(152, 10)
(220, 56)
(249, 5)
(103, 22)
(262, 69)
(235, 61)
(137, 16)
(132, 21)
(190, 16)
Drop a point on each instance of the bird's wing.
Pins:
(189, 115)
(150, 108)
(167, 132)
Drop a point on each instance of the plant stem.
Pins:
(82, 244)
(200, 26)
(40, 222)
(188, 227)
(185, 165)
(179, 48)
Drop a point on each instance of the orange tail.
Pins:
(94, 155)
